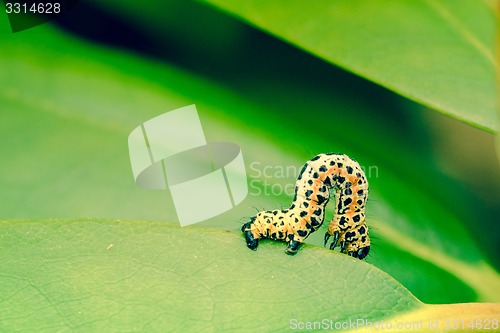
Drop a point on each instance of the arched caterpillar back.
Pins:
(306, 214)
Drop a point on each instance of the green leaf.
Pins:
(66, 118)
(438, 53)
(109, 275)
(105, 275)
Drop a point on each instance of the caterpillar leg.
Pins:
(357, 242)
(361, 253)
(352, 241)
(292, 248)
(252, 242)
(335, 231)
(336, 236)
(353, 250)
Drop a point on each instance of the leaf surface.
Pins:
(438, 53)
(108, 275)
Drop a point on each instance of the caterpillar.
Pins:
(306, 214)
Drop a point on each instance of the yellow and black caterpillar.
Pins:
(306, 214)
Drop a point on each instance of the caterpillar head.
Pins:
(252, 242)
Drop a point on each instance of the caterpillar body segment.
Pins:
(306, 213)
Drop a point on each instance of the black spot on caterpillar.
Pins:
(306, 214)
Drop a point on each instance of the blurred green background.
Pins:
(73, 90)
